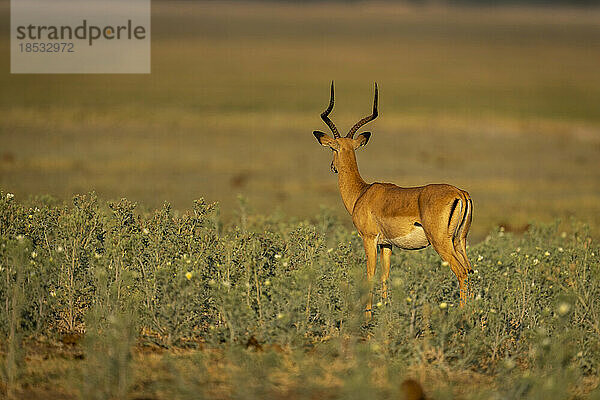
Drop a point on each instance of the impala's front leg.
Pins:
(371, 252)
(386, 253)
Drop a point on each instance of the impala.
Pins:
(387, 215)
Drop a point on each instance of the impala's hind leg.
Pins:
(445, 248)
(441, 230)
(460, 238)
(461, 252)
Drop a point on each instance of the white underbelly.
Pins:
(416, 239)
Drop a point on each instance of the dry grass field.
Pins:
(502, 102)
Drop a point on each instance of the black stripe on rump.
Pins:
(464, 218)
(452, 211)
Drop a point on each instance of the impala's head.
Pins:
(343, 147)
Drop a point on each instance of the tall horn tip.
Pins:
(375, 101)
(325, 115)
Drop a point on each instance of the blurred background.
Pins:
(501, 100)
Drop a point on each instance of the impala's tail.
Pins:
(459, 223)
(462, 229)
(464, 217)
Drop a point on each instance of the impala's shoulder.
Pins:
(372, 192)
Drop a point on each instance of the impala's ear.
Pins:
(326, 140)
(361, 139)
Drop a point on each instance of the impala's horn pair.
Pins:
(356, 127)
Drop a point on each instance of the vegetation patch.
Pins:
(100, 300)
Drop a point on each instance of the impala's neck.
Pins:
(350, 182)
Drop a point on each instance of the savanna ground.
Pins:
(226, 303)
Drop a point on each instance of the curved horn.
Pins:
(365, 119)
(325, 116)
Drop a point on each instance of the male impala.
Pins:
(385, 214)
